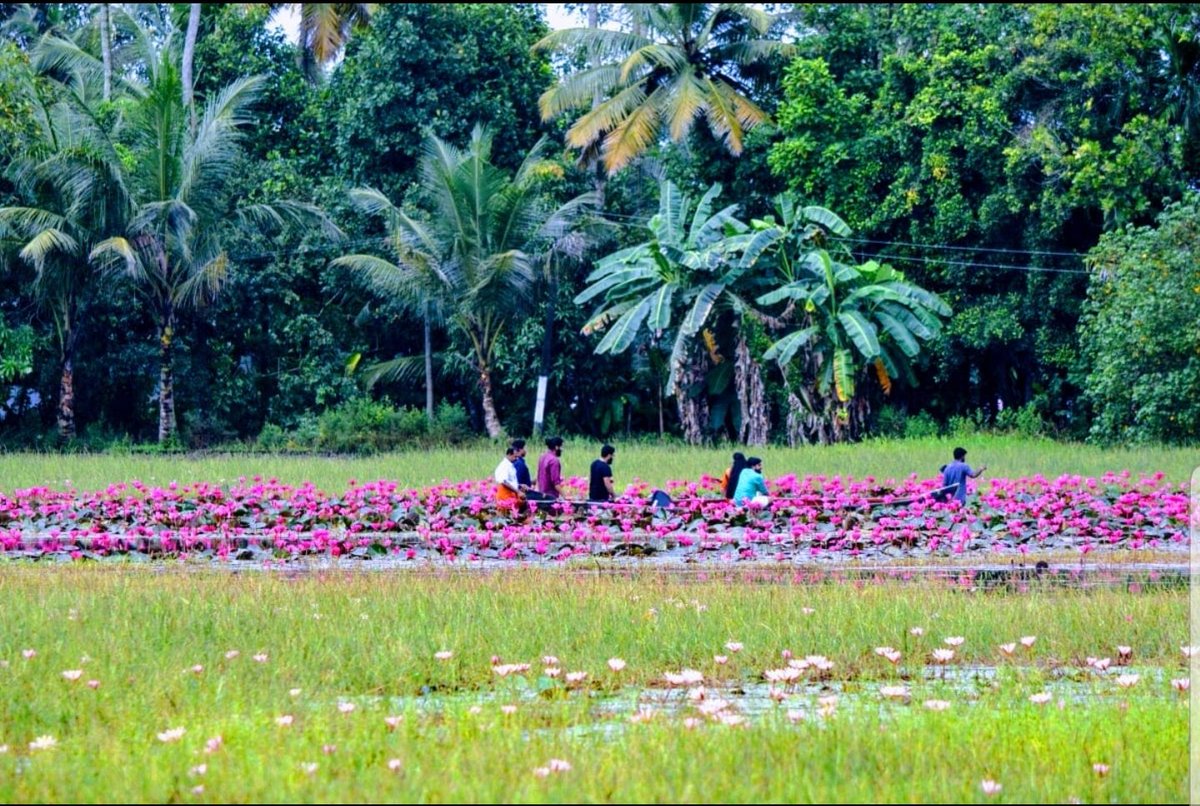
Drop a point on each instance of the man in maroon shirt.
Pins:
(549, 471)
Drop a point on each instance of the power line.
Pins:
(974, 264)
(1075, 255)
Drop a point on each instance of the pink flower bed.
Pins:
(811, 515)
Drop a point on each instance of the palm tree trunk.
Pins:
(189, 54)
(166, 376)
(600, 176)
(491, 422)
(106, 50)
(66, 387)
(428, 366)
(547, 354)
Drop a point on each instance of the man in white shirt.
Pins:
(508, 492)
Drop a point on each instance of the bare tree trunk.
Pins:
(106, 50)
(428, 366)
(189, 54)
(491, 422)
(66, 387)
(693, 411)
(166, 376)
(752, 395)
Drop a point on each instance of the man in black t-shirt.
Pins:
(600, 485)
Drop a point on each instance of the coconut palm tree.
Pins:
(182, 208)
(473, 251)
(69, 194)
(672, 64)
(413, 277)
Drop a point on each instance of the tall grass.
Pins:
(882, 459)
(370, 639)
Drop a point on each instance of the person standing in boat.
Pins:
(955, 475)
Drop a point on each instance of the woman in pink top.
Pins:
(549, 470)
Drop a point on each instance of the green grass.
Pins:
(370, 639)
(883, 459)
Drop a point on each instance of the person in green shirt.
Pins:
(751, 485)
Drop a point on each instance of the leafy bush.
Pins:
(1026, 421)
(921, 425)
(891, 422)
(451, 425)
(363, 426)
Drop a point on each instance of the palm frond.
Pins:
(408, 369)
(722, 116)
(115, 254)
(650, 56)
(382, 274)
(607, 115)
(46, 243)
(634, 134)
(600, 43)
(579, 90)
(204, 284)
(751, 51)
(211, 156)
(687, 101)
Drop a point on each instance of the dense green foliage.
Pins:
(1140, 332)
(983, 151)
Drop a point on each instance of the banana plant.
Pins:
(855, 317)
(674, 281)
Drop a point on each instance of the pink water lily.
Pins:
(455, 520)
(990, 787)
(1100, 769)
(72, 674)
(616, 664)
(686, 677)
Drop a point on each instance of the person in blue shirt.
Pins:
(955, 475)
(751, 486)
(524, 479)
